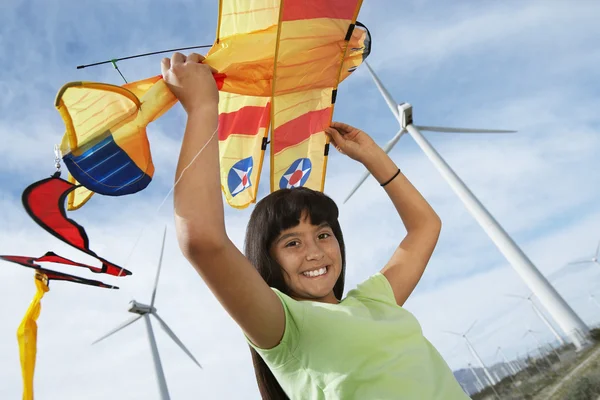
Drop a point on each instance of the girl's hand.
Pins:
(351, 141)
(191, 81)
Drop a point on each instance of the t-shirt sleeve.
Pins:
(377, 287)
(283, 352)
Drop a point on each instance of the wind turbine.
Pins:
(509, 370)
(594, 259)
(540, 345)
(563, 271)
(481, 385)
(541, 316)
(506, 361)
(144, 311)
(563, 314)
(474, 353)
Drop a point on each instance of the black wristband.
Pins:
(392, 178)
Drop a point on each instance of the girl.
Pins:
(286, 292)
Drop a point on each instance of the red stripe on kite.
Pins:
(310, 9)
(299, 129)
(245, 121)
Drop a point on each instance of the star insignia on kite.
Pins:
(297, 174)
(238, 179)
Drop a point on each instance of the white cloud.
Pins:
(438, 33)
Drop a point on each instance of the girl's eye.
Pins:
(324, 235)
(292, 243)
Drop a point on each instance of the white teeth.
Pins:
(318, 272)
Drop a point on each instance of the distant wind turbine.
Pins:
(593, 259)
(144, 311)
(541, 316)
(540, 345)
(509, 370)
(563, 314)
(478, 379)
(506, 361)
(530, 332)
(564, 270)
(474, 353)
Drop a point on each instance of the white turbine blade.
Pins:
(164, 325)
(564, 271)
(514, 295)
(118, 328)
(460, 130)
(580, 262)
(453, 333)
(355, 188)
(162, 250)
(472, 325)
(386, 95)
(597, 250)
(388, 146)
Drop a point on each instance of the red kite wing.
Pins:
(44, 201)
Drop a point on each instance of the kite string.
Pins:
(166, 197)
(189, 165)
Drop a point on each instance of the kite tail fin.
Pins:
(27, 336)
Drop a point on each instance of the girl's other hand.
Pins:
(190, 81)
(351, 141)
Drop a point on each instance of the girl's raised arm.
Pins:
(199, 214)
(409, 260)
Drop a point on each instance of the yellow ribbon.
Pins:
(27, 336)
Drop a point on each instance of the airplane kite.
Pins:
(280, 64)
(44, 201)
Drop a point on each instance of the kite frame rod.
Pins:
(143, 55)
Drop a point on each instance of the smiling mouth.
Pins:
(317, 273)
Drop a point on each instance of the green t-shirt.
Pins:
(366, 347)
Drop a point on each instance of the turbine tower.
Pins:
(144, 311)
(478, 379)
(563, 314)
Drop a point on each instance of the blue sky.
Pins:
(526, 66)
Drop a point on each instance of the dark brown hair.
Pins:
(275, 213)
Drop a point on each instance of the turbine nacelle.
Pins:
(406, 114)
(139, 308)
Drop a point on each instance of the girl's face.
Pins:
(310, 258)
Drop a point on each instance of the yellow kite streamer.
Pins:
(27, 336)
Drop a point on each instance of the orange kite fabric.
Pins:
(280, 63)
